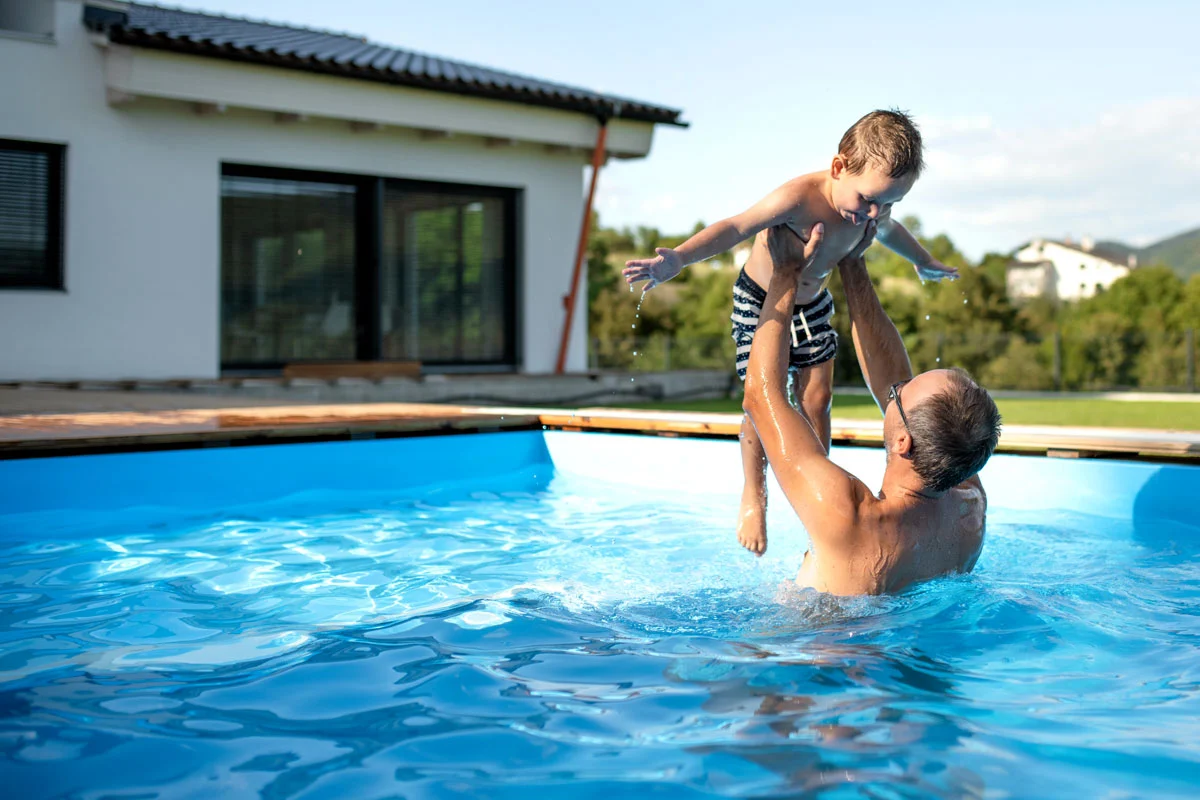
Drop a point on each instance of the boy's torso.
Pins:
(810, 208)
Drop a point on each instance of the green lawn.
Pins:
(1056, 411)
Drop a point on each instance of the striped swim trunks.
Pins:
(815, 341)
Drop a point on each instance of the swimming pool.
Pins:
(569, 614)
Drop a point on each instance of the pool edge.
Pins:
(40, 436)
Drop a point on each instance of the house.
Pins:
(1064, 270)
(190, 195)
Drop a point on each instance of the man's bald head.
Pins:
(954, 425)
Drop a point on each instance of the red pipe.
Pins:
(569, 299)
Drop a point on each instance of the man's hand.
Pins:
(660, 269)
(780, 244)
(934, 270)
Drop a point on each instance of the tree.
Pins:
(1133, 334)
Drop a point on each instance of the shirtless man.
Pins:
(939, 429)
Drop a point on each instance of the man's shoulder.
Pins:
(972, 488)
(853, 511)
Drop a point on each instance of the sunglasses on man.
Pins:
(894, 397)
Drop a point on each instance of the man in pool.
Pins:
(939, 429)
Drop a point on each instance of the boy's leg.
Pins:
(814, 388)
(752, 514)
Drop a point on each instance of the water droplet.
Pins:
(635, 352)
(631, 380)
(926, 316)
(300, 251)
(633, 326)
(964, 301)
(938, 359)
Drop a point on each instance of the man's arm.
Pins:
(824, 496)
(882, 355)
(881, 352)
(896, 238)
(773, 209)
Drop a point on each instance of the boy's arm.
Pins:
(824, 496)
(777, 207)
(896, 238)
(881, 352)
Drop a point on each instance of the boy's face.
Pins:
(868, 195)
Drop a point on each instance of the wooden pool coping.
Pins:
(31, 436)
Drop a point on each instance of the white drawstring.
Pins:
(807, 332)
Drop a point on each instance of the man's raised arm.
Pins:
(881, 352)
(824, 496)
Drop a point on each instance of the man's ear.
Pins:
(902, 444)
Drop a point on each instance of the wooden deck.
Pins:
(28, 436)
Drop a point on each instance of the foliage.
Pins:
(1135, 334)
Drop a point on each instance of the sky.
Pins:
(1041, 119)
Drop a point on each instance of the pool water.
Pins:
(544, 631)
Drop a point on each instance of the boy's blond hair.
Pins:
(888, 140)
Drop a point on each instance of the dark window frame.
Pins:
(54, 270)
(369, 201)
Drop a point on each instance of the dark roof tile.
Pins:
(353, 56)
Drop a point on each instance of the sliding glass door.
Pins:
(318, 267)
(288, 260)
(446, 289)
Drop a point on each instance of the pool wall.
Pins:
(33, 490)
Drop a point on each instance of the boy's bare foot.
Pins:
(752, 523)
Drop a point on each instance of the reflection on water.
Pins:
(577, 641)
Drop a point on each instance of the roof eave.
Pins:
(113, 22)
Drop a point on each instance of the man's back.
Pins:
(898, 541)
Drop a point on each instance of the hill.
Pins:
(1180, 252)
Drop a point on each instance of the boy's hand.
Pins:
(780, 244)
(934, 270)
(660, 269)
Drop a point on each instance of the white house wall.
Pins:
(1076, 273)
(142, 230)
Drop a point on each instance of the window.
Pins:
(31, 215)
(27, 17)
(321, 267)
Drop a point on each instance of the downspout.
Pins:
(581, 251)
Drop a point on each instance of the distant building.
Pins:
(191, 195)
(1065, 270)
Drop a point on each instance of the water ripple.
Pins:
(580, 641)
